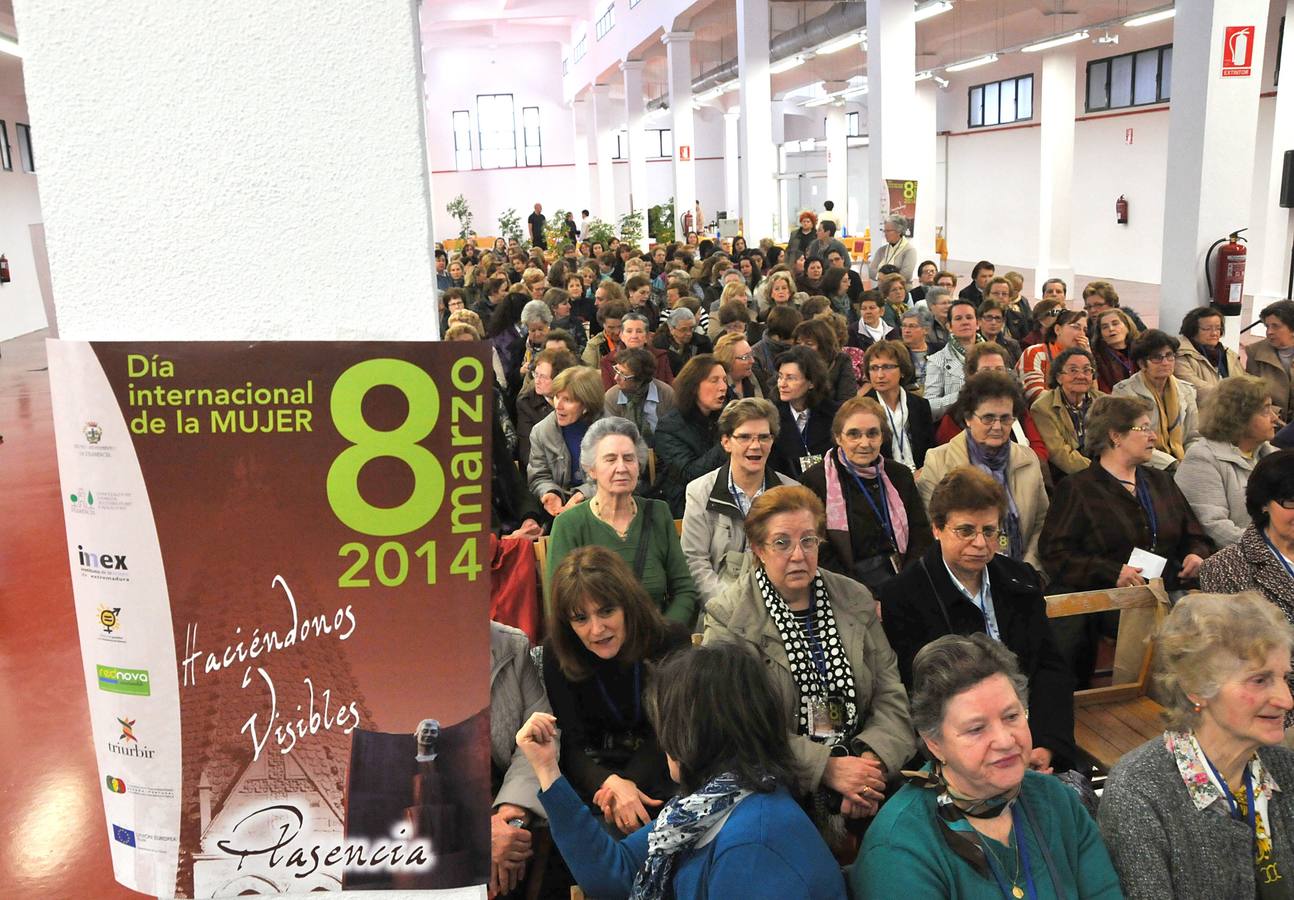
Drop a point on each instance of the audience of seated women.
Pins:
(554, 470)
(806, 410)
(911, 428)
(1176, 416)
(986, 357)
(1061, 411)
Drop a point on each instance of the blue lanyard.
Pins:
(1276, 553)
(795, 416)
(1232, 806)
(1031, 892)
(1148, 506)
(899, 434)
(815, 647)
(882, 513)
(615, 710)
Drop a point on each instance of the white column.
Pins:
(1056, 107)
(635, 109)
(1273, 280)
(731, 164)
(759, 187)
(838, 161)
(1212, 131)
(582, 197)
(188, 213)
(891, 101)
(605, 124)
(678, 52)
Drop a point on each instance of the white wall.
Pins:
(21, 309)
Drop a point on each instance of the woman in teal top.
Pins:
(641, 531)
(977, 823)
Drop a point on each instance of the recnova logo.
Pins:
(116, 680)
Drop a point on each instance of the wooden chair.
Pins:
(541, 563)
(1110, 721)
(651, 466)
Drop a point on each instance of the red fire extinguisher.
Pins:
(687, 221)
(1226, 277)
(1121, 210)
(4, 270)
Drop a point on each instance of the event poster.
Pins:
(279, 559)
(901, 200)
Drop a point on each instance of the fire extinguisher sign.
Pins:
(1238, 51)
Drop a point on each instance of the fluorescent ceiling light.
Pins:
(1151, 18)
(1056, 42)
(853, 92)
(821, 101)
(10, 46)
(925, 76)
(786, 65)
(712, 94)
(930, 10)
(972, 63)
(849, 40)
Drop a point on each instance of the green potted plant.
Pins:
(459, 210)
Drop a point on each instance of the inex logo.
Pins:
(116, 680)
(102, 566)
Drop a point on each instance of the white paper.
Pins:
(1151, 565)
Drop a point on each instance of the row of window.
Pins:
(605, 22)
(659, 141)
(496, 131)
(26, 160)
(1115, 82)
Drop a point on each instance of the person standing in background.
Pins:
(537, 220)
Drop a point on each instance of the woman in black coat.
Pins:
(803, 393)
(910, 430)
(687, 437)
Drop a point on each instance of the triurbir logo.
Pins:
(128, 744)
(116, 680)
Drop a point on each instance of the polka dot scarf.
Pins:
(800, 652)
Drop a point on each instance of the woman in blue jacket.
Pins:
(733, 830)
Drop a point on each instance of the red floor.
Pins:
(52, 835)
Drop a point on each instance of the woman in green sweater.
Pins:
(978, 823)
(641, 531)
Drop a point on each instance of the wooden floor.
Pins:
(53, 839)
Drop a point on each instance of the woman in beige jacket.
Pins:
(1202, 360)
(1061, 412)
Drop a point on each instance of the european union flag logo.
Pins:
(123, 835)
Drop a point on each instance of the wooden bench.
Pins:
(1110, 721)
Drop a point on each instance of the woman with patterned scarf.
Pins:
(976, 822)
(1176, 415)
(734, 830)
(818, 635)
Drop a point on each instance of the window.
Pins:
(633, 3)
(566, 65)
(497, 124)
(605, 22)
(24, 147)
(462, 140)
(1000, 102)
(6, 158)
(660, 143)
(622, 145)
(852, 125)
(530, 136)
(581, 47)
(1130, 79)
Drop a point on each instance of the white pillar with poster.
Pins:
(893, 137)
(759, 184)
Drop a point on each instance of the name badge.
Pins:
(826, 718)
(809, 461)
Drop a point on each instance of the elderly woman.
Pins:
(1269, 358)
(1202, 361)
(687, 439)
(992, 323)
(554, 470)
(534, 403)
(992, 403)
(1100, 515)
(871, 326)
(806, 410)
(798, 243)
(912, 332)
(977, 823)
(780, 290)
(818, 635)
(678, 338)
(819, 336)
(635, 331)
(1114, 335)
(875, 520)
(1236, 428)
(734, 351)
(564, 317)
(1200, 812)
(946, 370)
(893, 289)
(1263, 559)
(1061, 411)
(640, 530)
(734, 829)
(1069, 329)
(714, 516)
(604, 635)
(637, 396)
(907, 415)
(938, 304)
(895, 250)
(989, 357)
(962, 585)
(1176, 418)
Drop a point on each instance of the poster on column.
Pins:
(901, 200)
(277, 557)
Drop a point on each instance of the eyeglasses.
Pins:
(882, 367)
(1285, 504)
(788, 379)
(1143, 429)
(1210, 329)
(746, 440)
(745, 357)
(1005, 420)
(854, 435)
(622, 376)
(783, 546)
(968, 532)
(1086, 370)
(1162, 357)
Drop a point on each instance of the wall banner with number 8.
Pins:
(280, 565)
(901, 196)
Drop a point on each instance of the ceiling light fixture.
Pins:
(1056, 42)
(821, 101)
(849, 40)
(930, 10)
(786, 65)
(853, 92)
(712, 94)
(972, 63)
(1151, 18)
(925, 76)
(10, 46)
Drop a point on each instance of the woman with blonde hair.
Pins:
(734, 351)
(1200, 812)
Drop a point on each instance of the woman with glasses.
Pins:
(1237, 425)
(535, 402)
(991, 403)
(817, 634)
(875, 519)
(1202, 360)
(1068, 330)
(962, 585)
(1113, 336)
(806, 409)
(687, 439)
(734, 351)
(1044, 316)
(1270, 358)
(635, 331)
(992, 323)
(714, 515)
(1176, 417)
(907, 415)
(946, 370)
(636, 395)
(1061, 412)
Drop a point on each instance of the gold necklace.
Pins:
(595, 506)
(1016, 890)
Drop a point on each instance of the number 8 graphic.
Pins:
(400, 443)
